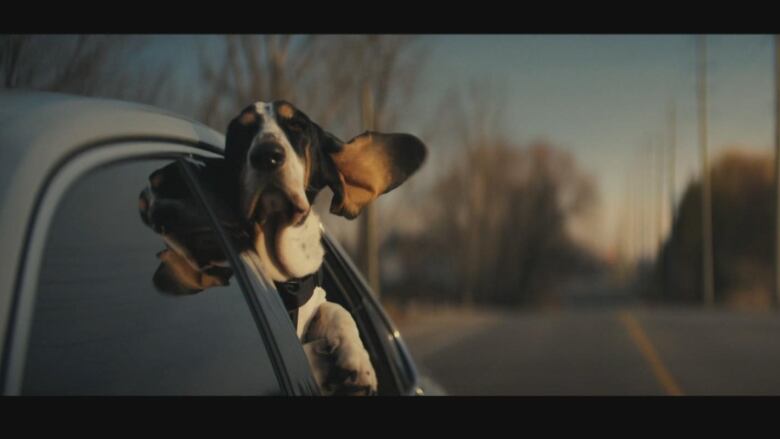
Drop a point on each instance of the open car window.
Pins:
(337, 280)
(343, 287)
(207, 177)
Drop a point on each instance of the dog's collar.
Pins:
(296, 292)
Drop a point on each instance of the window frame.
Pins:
(48, 198)
(295, 375)
(371, 319)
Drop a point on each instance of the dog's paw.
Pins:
(339, 360)
(343, 367)
(352, 372)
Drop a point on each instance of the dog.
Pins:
(276, 162)
(193, 259)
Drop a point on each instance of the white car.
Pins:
(79, 314)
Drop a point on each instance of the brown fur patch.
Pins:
(286, 111)
(248, 118)
(183, 274)
(364, 172)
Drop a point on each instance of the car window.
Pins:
(116, 310)
(208, 177)
(395, 354)
(343, 287)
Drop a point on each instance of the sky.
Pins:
(607, 100)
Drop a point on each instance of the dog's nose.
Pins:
(267, 156)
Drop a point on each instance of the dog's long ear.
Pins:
(176, 276)
(368, 166)
(242, 129)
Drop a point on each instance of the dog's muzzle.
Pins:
(278, 198)
(274, 201)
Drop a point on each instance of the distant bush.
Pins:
(743, 235)
(496, 229)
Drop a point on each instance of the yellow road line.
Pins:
(648, 351)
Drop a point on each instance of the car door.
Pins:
(88, 319)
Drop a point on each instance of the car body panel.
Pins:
(36, 225)
(39, 131)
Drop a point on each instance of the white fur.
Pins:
(307, 311)
(329, 335)
(298, 249)
(292, 172)
(332, 341)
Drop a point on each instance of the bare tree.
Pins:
(475, 119)
(497, 227)
(322, 75)
(248, 68)
(389, 65)
(507, 208)
(92, 65)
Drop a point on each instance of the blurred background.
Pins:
(597, 214)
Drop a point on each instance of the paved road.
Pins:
(604, 351)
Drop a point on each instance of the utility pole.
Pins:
(634, 206)
(777, 170)
(646, 217)
(672, 161)
(706, 198)
(659, 195)
(639, 208)
(667, 260)
(368, 253)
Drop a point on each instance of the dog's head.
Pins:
(194, 259)
(276, 148)
(283, 159)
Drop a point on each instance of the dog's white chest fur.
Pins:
(308, 310)
(298, 249)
